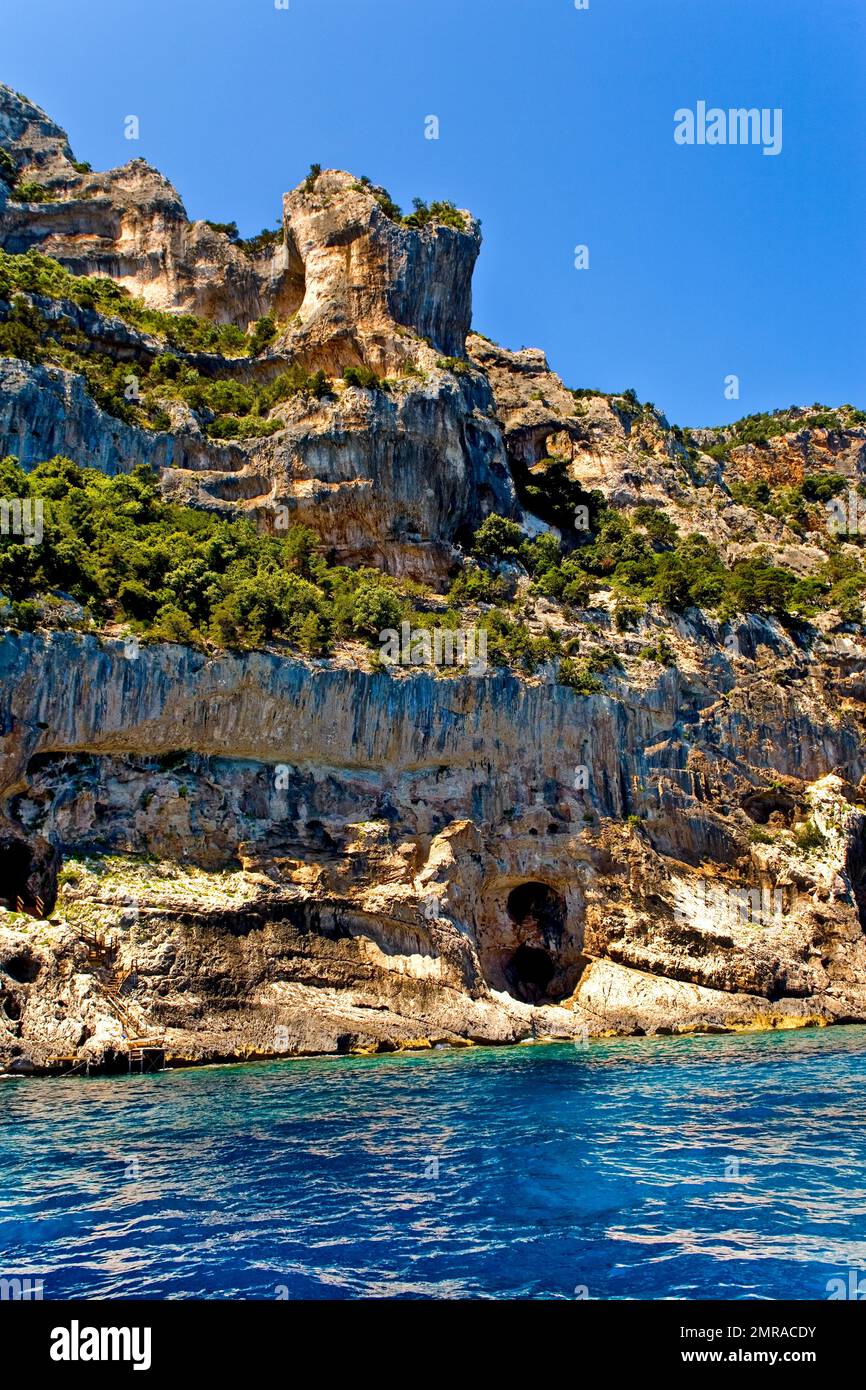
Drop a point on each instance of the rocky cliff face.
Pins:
(387, 479)
(248, 854)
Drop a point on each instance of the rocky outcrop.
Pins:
(129, 224)
(371, 286)
(631, 455)
(46, 411)
(391, 478)
(346, 278)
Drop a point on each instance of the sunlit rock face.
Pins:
(130, 225)
(371, 287)
(355, 278)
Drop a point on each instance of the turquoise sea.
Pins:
(711, 1167)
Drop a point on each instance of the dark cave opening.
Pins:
(769, 806)
(22, 968)
(532, 967)
(529, 973)
(537, 906)
(16, 862)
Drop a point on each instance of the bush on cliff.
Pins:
(650, 562)
(262, 335)
(497, 538)
(363, 377)
(263, 242)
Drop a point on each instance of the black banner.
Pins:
(66, 1341)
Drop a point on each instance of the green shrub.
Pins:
(578, 676)
(263, 241)
(657, 525)
(363, 377)
(497, 538)
(626, 616)
(458, 365)
(509, 642)
(476, 585)
(310, 181)
(229, 229)
(757, 835)
(808, 837)
(28, 191)
(443, 213)
(661, 651)
(387, 204)
(374, 608)
(264, 333)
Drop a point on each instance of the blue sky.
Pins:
(556, 128)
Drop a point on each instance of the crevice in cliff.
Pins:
(856, 867)
(292, 285)
(16, 862)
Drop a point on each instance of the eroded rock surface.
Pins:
(357, 860)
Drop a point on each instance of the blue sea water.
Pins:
(716, 1167)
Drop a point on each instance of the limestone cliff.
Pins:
(249, 853)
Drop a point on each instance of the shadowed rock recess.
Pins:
(222, 851)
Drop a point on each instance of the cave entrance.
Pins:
(16, 862)
(532, 969)
(769, 807)
(529, 973)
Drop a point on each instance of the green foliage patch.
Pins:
(644, 559)
(178, 574)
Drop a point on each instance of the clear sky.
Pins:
(556, 128)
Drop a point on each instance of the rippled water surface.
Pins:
(724, 1167)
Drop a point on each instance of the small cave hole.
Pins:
(769, 807)
(318, 833)
(11, 1007)
(22, 968)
